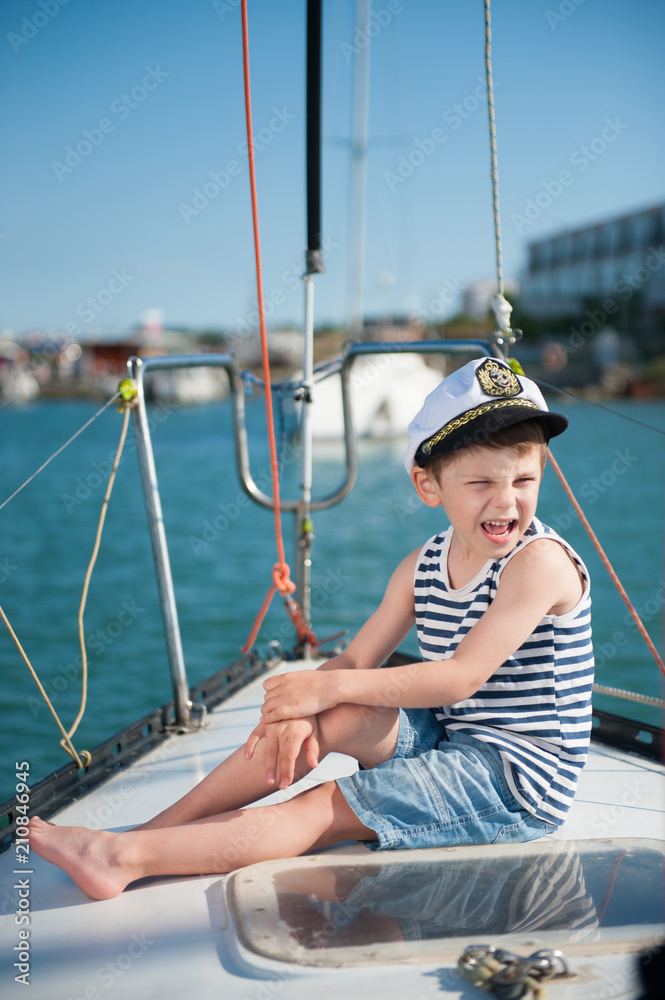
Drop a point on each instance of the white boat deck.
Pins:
(174, 937)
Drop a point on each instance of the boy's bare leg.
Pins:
(103, 863)
(368, 734)
(188, 840)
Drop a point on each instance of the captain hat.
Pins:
(479, 399)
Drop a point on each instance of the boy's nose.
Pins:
(504, 497)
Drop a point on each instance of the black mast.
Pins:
(313, 257)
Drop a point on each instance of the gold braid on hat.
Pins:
(465, 418)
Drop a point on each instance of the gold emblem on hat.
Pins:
(497, 379)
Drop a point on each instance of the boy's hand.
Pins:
(284, 742)
(298, 695)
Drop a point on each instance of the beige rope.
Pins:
(70, 749)
(88, 575)
(644, 699)
(84, 758)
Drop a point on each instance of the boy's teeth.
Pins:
(497, 527)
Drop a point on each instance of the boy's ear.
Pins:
(425, 487)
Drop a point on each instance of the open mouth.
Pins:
(498, 529)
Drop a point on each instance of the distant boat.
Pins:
(17, 385)
(188, 387)
(387, 391)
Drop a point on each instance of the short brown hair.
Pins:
(520, 437)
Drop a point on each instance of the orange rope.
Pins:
(608, 566)
(281, 573)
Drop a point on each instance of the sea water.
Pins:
(222, 550)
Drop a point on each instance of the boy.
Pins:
(481, 743)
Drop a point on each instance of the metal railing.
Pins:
(140, 367)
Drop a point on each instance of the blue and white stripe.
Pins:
(536, 708)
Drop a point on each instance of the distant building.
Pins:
(104, 363)
(284, 348)
(105, 357)
(392, 328)
(609, 272)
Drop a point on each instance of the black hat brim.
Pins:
(494, 418)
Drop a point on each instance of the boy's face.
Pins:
(489, 494)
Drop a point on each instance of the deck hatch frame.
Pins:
(535, 878)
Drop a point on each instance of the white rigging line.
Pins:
(61, 448)
(502, 308)
(494, 157)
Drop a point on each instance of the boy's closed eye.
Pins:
(488, 482)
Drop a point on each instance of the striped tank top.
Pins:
(536, 708)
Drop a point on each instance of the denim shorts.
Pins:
(441, 788)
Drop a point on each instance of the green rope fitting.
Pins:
(128, 392)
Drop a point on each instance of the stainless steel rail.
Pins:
(140, 367)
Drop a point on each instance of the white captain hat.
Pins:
(479, 399)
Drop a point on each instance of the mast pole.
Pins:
(313, 265)
(314, 257)
(357, 200)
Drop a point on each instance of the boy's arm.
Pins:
(380, 635)
(538, 581)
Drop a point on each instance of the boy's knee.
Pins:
(341, 724)
(355, 729)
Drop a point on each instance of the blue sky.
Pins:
(113, 113)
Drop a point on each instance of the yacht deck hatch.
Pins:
(587, 897)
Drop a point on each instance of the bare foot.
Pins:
(90, 857)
